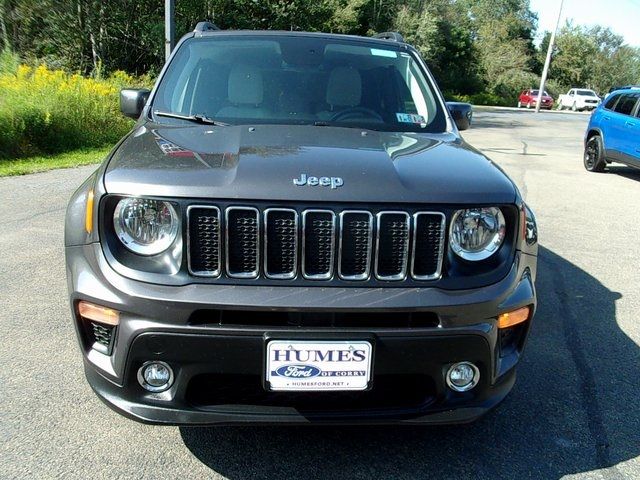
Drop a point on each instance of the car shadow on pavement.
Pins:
(480, 123)
(574, 409)
(624, 171)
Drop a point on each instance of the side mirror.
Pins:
(132, 101)
(461, 113)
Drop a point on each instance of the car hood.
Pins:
(261, 162)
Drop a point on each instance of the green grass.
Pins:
(76, 158)
(46, 111)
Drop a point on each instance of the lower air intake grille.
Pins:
(102, 337)
(392, 396)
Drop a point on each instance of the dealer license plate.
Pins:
(294, 365)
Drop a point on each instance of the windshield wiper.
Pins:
(322, 123)
(197, 118)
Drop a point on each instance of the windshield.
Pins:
(587, 93)
(298, 80)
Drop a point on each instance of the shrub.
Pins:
(50, 111)
(483, 98)
(9, 61)
(555, 89)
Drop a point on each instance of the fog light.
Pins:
(155, 376)
(462, 376)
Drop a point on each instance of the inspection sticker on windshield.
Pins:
(383, 53)
(295, 365)
(410, 118)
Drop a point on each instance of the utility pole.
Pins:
(545, 70)
(169, 27)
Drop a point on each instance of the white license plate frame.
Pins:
(318, 365)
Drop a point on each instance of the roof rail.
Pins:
(205, 27)
(395, 36)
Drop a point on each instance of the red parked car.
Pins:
(529, 97)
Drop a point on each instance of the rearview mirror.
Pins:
(132, 101)
(461, 113)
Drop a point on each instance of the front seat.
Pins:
(344, 90)
(245, 93)
(209, 93)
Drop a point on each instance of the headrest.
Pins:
(344, 87)
(245, 85)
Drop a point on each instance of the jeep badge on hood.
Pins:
(333, 182)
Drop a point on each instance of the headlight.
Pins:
(477, 233)
(145, 226)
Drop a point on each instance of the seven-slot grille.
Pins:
(280, 243)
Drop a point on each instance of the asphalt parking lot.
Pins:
(574, 412)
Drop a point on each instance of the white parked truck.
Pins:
(579, 99)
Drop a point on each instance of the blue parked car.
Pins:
(613, 134)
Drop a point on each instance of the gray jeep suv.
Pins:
(294, 231)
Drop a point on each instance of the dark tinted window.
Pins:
(626, 104)
(611, 101)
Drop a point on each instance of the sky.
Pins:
(622, 16)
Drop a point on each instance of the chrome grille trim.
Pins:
(329, 274)
(254, 273)
(280, 276)
(425, 249)
(403, 273)
(367, 273)
(204, 273)
(443, 225)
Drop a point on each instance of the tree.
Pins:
(441, 31)
(593, 57)
(346, 15)
(471, 46)
(503, 34)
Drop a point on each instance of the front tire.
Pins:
(594, 155)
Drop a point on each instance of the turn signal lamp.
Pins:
(509, 319)
(105, 315)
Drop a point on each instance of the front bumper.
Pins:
(218, 369)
